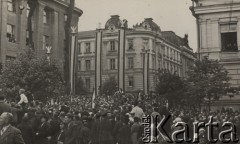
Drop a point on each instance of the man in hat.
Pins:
(105, 130)
(71, 131)
(8, 133)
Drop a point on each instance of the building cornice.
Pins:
(216, 9)
(65, 4)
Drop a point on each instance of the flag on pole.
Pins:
(93, 99)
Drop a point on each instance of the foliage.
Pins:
(80, 88)
(208, 80)
(35, 75)
(171, 87)
(109, 87)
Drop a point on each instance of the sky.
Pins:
(170, 15)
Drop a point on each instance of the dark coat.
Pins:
(42, 131)
(59, 136)
(27, 132)
(71, 134)
(12, 136)
(105, 132)
(124, 136)
(84, 135)
(4, 107)
(95, 131)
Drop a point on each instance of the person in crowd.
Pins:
(124, 136)
(42, 131)
(59, 137)
(138, 112)
(105, 130)
(4, 107)
(27, 131)
(8, 133)
(71, 131)
(95, 129)
(23, 98)
(134, 130)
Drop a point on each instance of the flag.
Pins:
(93, 99)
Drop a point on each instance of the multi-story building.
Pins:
(218, 23)
(219, 33)
(165, 50)
(48, 24)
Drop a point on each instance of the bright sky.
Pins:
(171, 15)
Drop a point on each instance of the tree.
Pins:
(35, 75)
(208, 80)
(80, 88)
(171, 87)
(110, 87)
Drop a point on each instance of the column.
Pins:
(38, 29)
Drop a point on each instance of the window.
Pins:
(87, 47)
(45, 41)
(11, 5)
(130, 63)
(112, 64)
(88, 64)
(46, 16)
(87, 83)
(130, 81)
(79, 48)
(112, 45)
(229, 37)
(79, 65)
(10, 33)
(130, 44)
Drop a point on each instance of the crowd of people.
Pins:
(113, 120)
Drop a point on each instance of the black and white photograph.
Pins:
(119, 71)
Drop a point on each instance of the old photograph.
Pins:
(119, 71)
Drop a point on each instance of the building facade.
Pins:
(48, 23)
(165, 50)
(218, 23)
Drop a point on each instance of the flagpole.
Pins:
(72, 88)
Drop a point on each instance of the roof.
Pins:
(175, 39)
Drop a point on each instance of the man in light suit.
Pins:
(8, 133)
